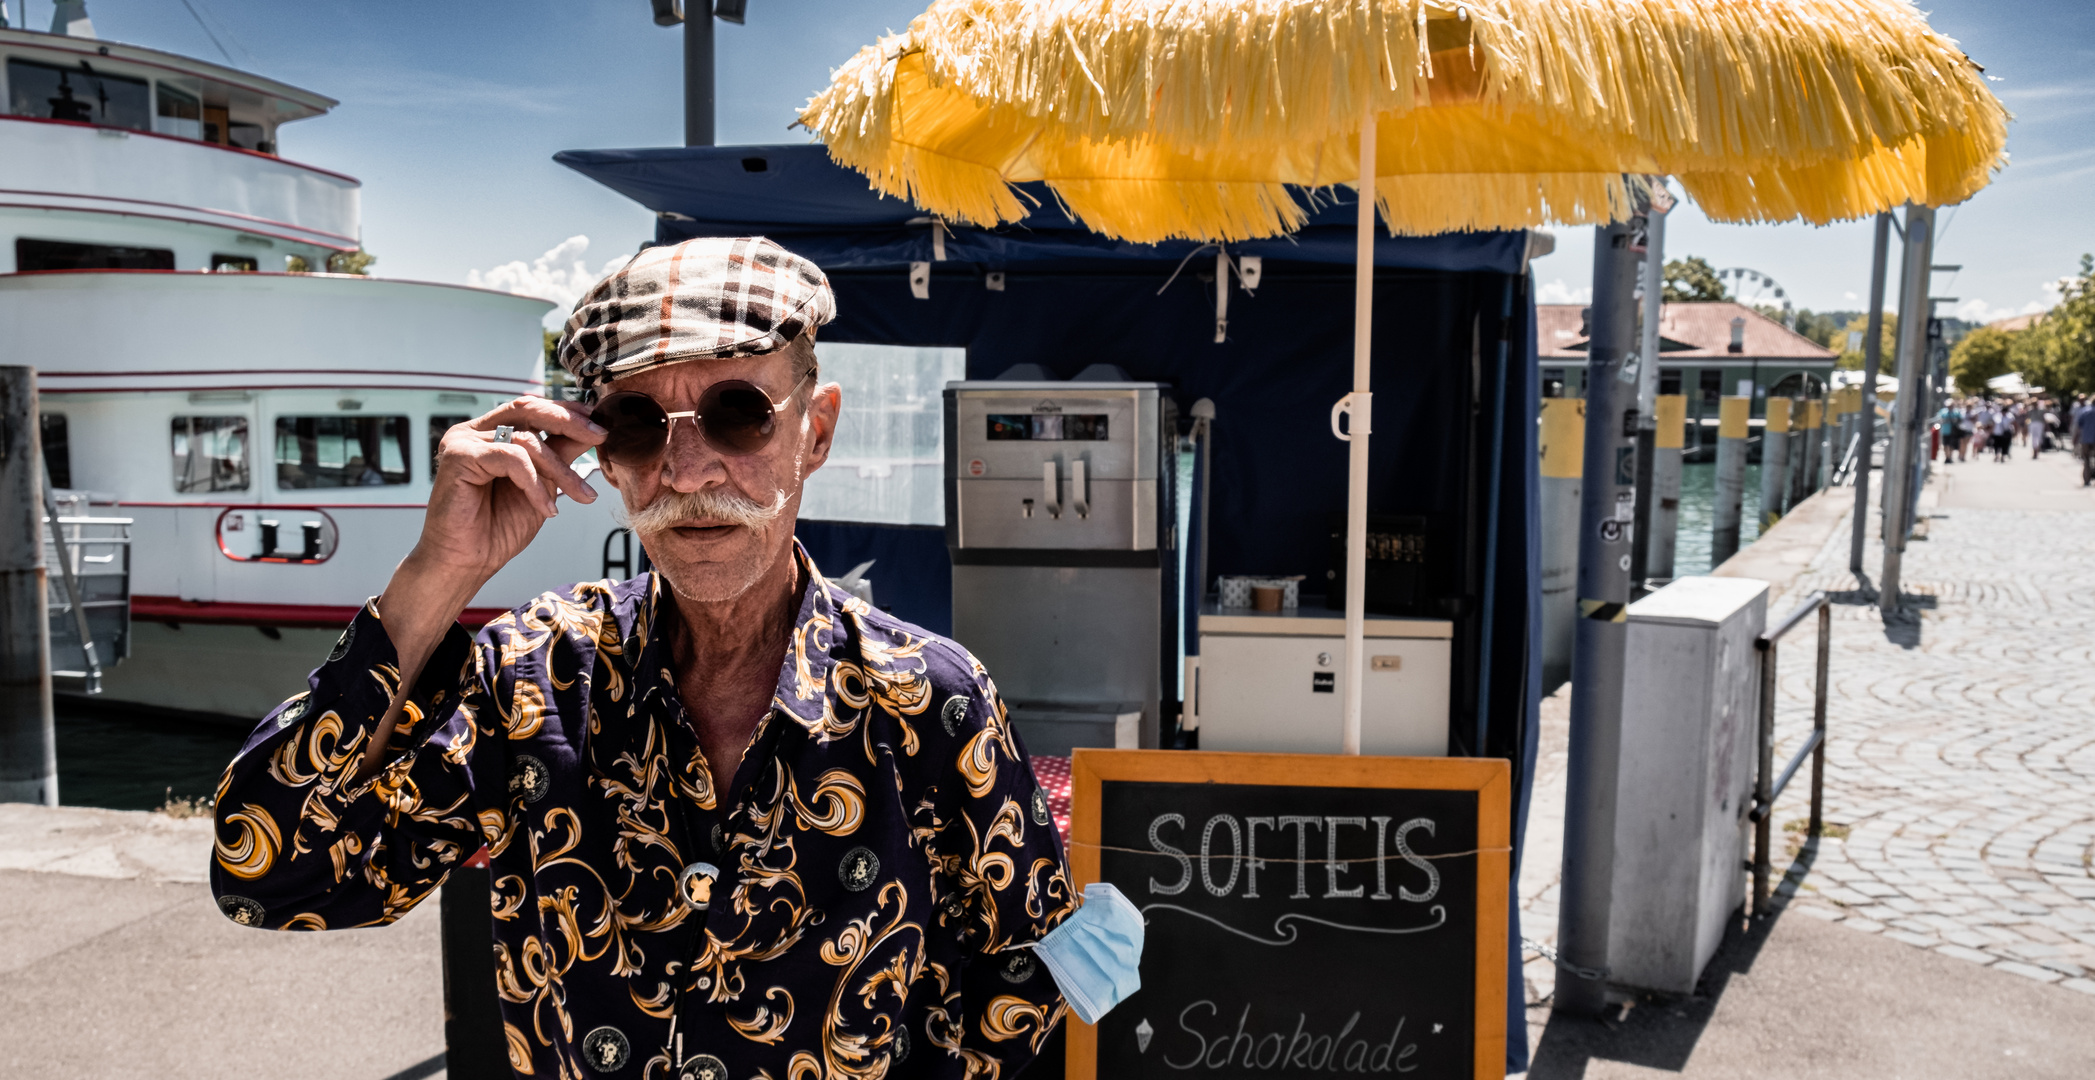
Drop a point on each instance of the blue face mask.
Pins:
(1096, 954)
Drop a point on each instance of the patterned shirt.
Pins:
(883, 853)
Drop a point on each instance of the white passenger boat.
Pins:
(271, 433)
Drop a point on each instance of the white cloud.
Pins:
(1851, 297)
(1979, 311)
(559, 275)
(1556, 292)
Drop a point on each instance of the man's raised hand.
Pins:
(489, 498)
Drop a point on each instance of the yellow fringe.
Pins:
(1155, 119)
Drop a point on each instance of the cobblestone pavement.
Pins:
(1960, 784)
(1960, 787)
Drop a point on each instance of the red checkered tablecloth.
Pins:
(1053, 774)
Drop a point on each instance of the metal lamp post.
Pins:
(698, 59)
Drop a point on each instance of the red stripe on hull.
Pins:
(176, 609)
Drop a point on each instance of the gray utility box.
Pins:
(1059, 522)
(1690, 725)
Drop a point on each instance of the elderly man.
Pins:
(740, 823)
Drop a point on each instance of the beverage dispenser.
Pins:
(1061, 523)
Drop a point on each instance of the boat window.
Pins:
(235, 262)
(178, 114)
(58, 455)
(65, 255)
(341, 451)
(77, 93)
(437, 426)
(210, 453)
(888, 461)
(246, 136)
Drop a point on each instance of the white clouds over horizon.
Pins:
(559, 275)
(1557, 292)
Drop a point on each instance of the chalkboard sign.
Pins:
(1306, 915)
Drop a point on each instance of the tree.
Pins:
(1693, 278)
(1828, 328)
(556, 376)
(1851, 355)
(2058, 353)
(1982, 354)
(356, 262)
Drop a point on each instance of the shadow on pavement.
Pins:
(1903, 627)
(420, 1070)
(1660, 1031)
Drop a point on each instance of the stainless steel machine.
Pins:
(1060, 521)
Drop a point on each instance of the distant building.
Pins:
(1706, 350)
(2016, 322)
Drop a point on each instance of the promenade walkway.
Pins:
(1960, 795)
(1962, 770)
(114, 963)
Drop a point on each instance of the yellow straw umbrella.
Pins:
(1163, 119)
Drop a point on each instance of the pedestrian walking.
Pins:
(2036, 432)
(2084, 438)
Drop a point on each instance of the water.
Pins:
(123, 761)
(1698, 500)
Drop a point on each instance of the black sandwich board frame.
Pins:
(1489, 778)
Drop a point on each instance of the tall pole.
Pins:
(698, 73)
(1667, 444)
(28, 742)
(1774, 460)
(1872, 359)
(1652, 280)
(1359, 409)
(1601, 632)
(1905, 432)
(1734, 431)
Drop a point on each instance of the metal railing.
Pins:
(1767, 787)
(89, 592)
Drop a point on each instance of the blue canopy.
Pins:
(798, 197)
(1047, 291)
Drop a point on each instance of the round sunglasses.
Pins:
(734, 417)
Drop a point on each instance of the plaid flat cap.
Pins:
(705, 298)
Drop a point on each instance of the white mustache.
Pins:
(712, 507)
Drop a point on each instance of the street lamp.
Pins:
(698, 59)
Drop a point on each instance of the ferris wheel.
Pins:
(1757, 290)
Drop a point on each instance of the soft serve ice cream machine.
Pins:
(1059, 519)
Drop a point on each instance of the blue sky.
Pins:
(451, 112)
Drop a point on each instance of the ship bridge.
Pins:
(115, 156)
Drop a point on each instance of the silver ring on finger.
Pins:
(505, 433)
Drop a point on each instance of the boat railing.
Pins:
(89, 585)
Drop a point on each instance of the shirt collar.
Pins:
(804, 677)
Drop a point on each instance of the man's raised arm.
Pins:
(333, 814)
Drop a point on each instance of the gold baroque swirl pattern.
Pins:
(814, 978)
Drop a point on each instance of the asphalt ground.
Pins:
(114, 962)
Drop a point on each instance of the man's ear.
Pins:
(824, 404)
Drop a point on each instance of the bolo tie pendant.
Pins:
(695, 885)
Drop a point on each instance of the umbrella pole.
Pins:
(1360, 409)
